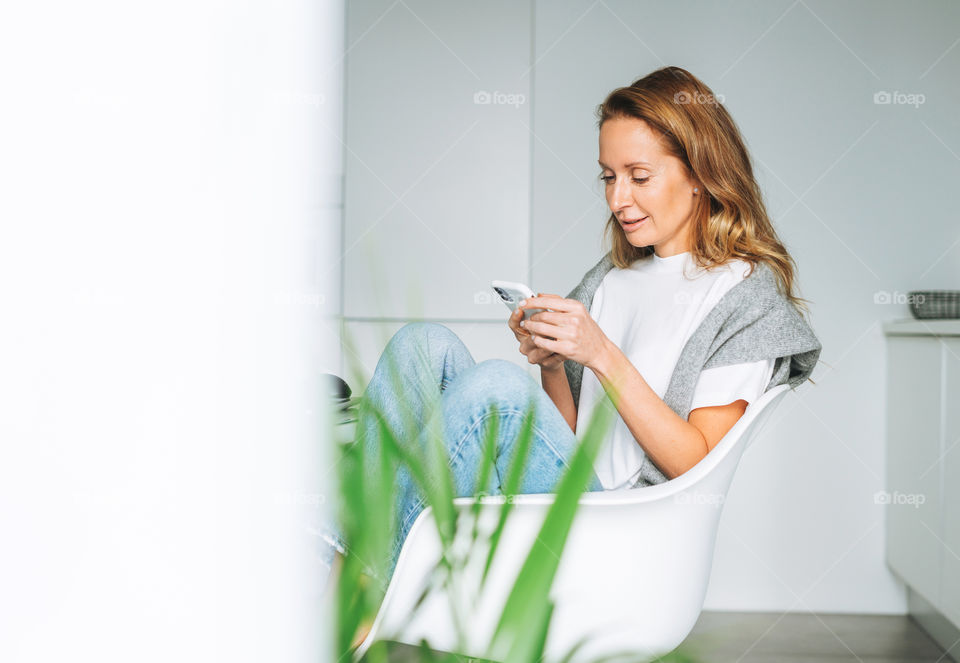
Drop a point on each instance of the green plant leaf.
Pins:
(529, 598)
(487, 463)
(511, 484)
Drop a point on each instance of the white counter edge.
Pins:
(912, 327)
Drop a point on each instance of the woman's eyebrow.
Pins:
(635, 163)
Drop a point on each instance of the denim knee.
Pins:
(421, 332)
(501, 382)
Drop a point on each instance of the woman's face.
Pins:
(642, 181)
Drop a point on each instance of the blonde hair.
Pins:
(730, 219)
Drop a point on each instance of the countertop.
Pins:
(914, 327)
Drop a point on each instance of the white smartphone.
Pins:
(511, 293)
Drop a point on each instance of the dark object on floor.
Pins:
(338, 391)
(935, 304)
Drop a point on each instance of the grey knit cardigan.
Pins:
(751, 322)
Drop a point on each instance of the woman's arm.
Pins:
(553, 377)
(674, 445)
(554, 381)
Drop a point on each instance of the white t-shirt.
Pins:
(649, 310)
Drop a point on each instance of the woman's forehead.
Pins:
(628, 141)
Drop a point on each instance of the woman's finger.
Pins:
(527, 347)
(537, 355)
(551, 317)
(533, 353)
(548, 330)
(546, 343)
(513, 322)
(552, 302)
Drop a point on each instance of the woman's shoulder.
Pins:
(745, 275)
(755, 288)
(735, 267)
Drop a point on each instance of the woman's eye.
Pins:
(638, 180)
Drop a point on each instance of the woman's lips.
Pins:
(636, 224)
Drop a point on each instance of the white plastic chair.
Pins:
(633, 573)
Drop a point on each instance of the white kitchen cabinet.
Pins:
(923, 459)
(950, 588)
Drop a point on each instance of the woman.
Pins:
(689, 318)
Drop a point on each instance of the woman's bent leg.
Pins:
(417, 365)
(466, 411)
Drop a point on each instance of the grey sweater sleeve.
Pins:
(583, 293)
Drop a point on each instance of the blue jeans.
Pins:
(437, 377)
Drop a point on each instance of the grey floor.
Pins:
(728, 637)
(737, 637)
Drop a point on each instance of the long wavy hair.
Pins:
(730, 221)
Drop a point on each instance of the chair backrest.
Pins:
(723, 457)
(762, 409)
(715, 471)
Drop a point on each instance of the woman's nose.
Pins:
(619, 195)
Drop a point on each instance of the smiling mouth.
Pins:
(633, 224)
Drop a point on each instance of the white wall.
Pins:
(444, 195)
(161, 336)
(437, 188)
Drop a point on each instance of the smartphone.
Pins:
(511, 293)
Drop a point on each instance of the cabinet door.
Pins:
(950, 584)
(913, 462)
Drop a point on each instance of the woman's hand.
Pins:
(566, 330)
(547, 359)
